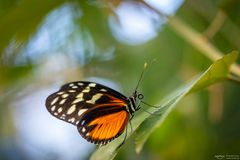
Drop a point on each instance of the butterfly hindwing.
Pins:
(102, 124)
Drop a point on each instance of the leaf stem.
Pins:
(194, 38)
(199, 42)
(233, 78)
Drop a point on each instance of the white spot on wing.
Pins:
(54, 100)
(80, 84)
(71, 84)
(65, 95)
(77, 100)
(53, 108)
(80, 95)
(92, 85)
(71, 120)
(81, 111)
(103, 90)
(74, 87)
(71, 109)
(60, 110)
(63, 116)
(86, 90)
(83, 121)
(60, 93)
(71, 91)
(62, 101)
(83, 129)
(94, 98)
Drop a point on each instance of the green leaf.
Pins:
(217, 72)
(18, 23)
(144, 124)
(10, 75)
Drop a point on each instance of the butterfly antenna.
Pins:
(143, 71)
(141, 76)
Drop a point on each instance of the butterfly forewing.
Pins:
(98, 111)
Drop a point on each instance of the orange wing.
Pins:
(104, 128)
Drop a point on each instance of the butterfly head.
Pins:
(136, 95)
(133, 100)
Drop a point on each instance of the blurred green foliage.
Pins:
(189, 132)
(144, 126)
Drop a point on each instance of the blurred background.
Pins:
(44, 44)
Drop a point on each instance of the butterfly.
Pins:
(100, 113)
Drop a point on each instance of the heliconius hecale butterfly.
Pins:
(99, 112)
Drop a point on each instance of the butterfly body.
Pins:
(99, 112)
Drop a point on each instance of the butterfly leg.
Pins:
(150, 105)
(125, 137)
(151, 113)
(138, 107)
(130, 125)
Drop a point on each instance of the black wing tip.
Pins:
(99, 142)
(50, 98)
